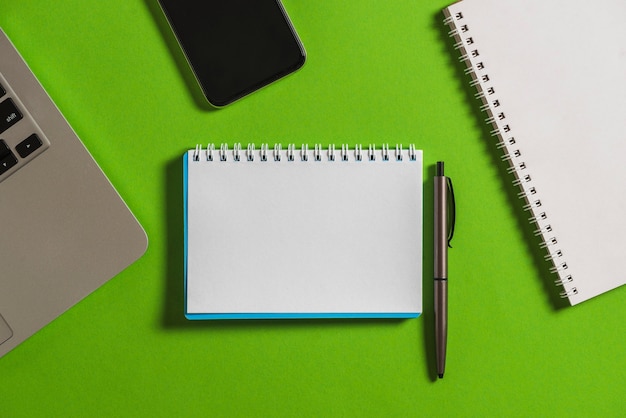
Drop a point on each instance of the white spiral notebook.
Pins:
(551, 76)
(303, 233)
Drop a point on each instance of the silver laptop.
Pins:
(64, 230)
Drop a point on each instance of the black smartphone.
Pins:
(234, 47)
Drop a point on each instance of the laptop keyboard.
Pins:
(21, 139)
(10, 115)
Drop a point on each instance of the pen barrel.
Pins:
(441, 323)
(441, 228)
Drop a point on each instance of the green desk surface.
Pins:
(376, 72)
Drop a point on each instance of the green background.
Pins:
(376, 72)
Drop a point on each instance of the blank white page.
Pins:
(554, 78)
(303, 238)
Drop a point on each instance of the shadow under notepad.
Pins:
(174, 291)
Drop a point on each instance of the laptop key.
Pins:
(7, 158)
(7, 162)
(27, 146)
(9, 115)
(4, 149)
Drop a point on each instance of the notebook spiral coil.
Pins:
(302, 153)
(504, 133)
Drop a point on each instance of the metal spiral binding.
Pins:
(344, 152)
(290, 151)
(385, 152)
(371, 152)
(277, 149)
(358, 153)
(502, 131)
(196, 154)
(318, 152)
(304, 152)
(251, 153)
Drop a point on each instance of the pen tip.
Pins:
(441, 375)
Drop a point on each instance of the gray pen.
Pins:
(444, 229)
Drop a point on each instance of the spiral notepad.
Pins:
(551, 79)
(303, 232)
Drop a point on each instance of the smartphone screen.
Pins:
(234, 47)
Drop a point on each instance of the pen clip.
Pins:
(451, 210)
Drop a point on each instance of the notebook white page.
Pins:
(554, 78)
(289, 239)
